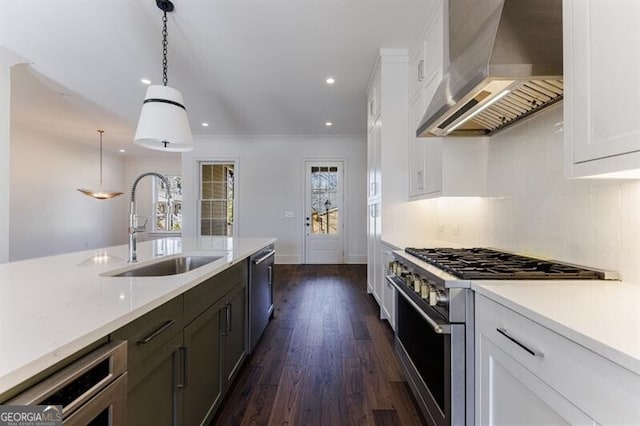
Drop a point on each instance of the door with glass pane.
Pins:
(324, 212)
(216, 202)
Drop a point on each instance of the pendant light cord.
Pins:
(101, 132)
(165, 43)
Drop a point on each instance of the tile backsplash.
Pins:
(533, 208)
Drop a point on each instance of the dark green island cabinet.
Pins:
(184, 355)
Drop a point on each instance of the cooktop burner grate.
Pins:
(487, 264)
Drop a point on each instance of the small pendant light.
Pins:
(100, 194)
(163, 123)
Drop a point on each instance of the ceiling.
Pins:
(246, 67)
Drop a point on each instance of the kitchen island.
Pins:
(53, 307)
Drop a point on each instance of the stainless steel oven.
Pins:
(92, 390)
(431, 350)
(435, 318)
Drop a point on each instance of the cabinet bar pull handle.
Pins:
(225, 329)
(165, 325)
(183, 376)
(270, 275)
(506, 334)
(230, 319)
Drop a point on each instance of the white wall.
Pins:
(47, 215)
(534, 209)
(270, 181)
(5, 165)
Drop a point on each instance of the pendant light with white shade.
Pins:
(163, 123)
(100, 194)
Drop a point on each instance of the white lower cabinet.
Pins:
(509, 394)
(527, 374)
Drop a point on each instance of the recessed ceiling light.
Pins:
(205, 124)
(328, 124)
(123, 150)
(330, 80)
(145, 81)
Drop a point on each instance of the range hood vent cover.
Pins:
(506, 64)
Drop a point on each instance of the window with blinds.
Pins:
(216, 198)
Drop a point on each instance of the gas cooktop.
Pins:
(487, 264)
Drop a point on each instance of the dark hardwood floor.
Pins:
(325, 358)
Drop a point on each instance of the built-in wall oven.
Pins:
(435, 319)
(92, 390)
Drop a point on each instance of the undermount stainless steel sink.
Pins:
(173, 266)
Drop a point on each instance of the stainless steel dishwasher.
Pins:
(260, 293)
(92, 390)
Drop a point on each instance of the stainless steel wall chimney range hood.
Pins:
(505, 64)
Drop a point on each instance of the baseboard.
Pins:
(285, 259)
(292, 259)
(357, 259)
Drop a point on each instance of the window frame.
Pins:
(199, 199)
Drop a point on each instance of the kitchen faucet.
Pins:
(133, 228)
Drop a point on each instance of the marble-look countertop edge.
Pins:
(34, 366)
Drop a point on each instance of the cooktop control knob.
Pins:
(417, 283)
(441, 299)
(433, 296)
(424, 290)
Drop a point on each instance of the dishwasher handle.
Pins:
(263, 258)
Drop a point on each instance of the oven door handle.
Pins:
(439, 328)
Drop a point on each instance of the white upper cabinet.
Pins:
(373, 162)
(602, 87)
(434, 60)
(439, 167)
(416, 147)
(373, 101)
(374, 137)
(417, 68)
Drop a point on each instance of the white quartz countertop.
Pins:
(52, 307)
(602, 316)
